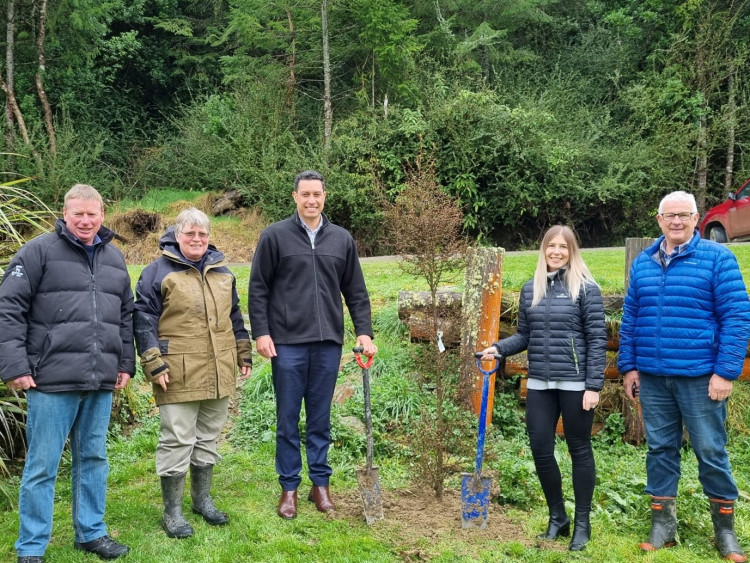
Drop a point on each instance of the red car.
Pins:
(729, 220)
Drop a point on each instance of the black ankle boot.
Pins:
(558, 525)
(581, 529)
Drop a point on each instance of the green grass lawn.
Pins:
(246, 485)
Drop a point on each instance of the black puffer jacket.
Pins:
(66, 321)
(566, 341)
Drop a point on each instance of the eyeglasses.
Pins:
(685, 216)
(191, 234)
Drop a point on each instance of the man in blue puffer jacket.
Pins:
(683, 342)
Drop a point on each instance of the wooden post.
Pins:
(480, 322)
(635, 433)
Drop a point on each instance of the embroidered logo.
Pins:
(17, 271)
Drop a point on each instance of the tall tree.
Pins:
(327, 109)
(41, 8)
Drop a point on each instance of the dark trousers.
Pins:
(543, 408)
(304, 372)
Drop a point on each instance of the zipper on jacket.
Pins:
(547, 327)
(317, 293)
(315, 270)
(95, 325)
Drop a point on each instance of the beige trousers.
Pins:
(188, 435)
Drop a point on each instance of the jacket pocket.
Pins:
(43, 353)
(177, 372)
(575, 354)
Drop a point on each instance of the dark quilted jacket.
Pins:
(65, 321)
(566, 341)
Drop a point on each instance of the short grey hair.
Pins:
(309, 175)
(189, 218)
(680, 196)
(83, 191)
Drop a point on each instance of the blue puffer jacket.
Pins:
(690, 319)
(566, 340)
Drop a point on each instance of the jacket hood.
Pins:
(168, 244)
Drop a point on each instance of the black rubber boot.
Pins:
(663, 524)
(581, 529)
(173, 521)
(722, 515)
(200, 490)
(558, 525)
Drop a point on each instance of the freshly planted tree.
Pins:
(426, 231)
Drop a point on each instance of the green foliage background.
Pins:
(536, 112)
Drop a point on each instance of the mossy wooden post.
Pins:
(480, 322)
(634, 430)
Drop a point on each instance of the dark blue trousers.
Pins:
(304, 372)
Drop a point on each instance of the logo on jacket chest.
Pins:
(17, 271)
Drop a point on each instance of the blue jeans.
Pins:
(304, 372)
(666, 403)
(52, 417)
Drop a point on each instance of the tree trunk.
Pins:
(327, 109)
(702, 74)
(10, 63)
(292, 80)
(482, 304)
(731, 126)
(13, 103)
(702, 161)
(42, 30)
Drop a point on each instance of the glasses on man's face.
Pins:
(671, 216)
(191, 235)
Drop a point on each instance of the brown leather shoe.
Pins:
(288, 505)
(322, 499)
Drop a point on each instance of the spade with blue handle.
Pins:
(475, 489)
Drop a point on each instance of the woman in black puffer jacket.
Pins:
(561, 324)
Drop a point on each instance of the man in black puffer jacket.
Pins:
(67, 340)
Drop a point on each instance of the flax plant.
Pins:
(22, 214)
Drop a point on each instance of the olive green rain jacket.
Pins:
(188, 320)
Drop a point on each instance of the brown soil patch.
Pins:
(139, 231)
(415, 521)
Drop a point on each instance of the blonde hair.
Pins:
(83, 191)
(577, 274)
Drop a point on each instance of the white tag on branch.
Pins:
(441, 346)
